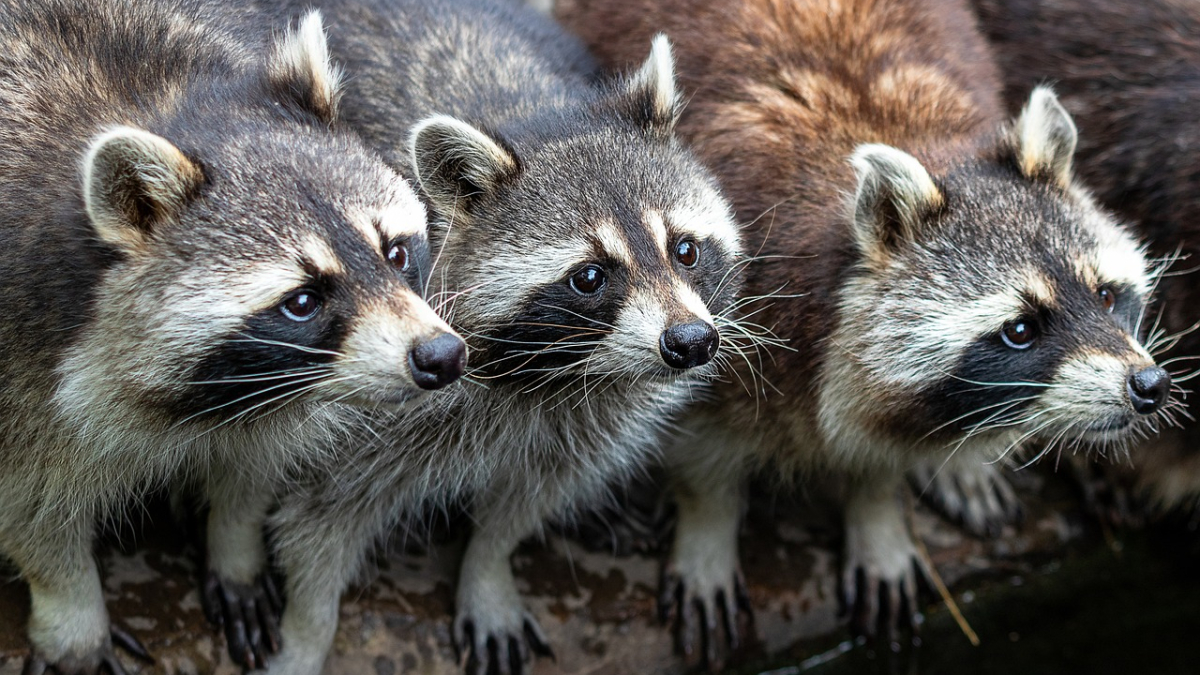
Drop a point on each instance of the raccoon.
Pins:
(199, 278)
(586, 257)
(1131, 76)
(947, 288)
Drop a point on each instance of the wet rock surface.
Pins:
(598, 610)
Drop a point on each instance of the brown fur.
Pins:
(781, 92)
(879, 277)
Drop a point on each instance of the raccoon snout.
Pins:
(438, 362)
(688, 345)
(1148, 389)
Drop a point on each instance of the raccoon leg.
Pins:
(68, 623)
(320, 550)
(492, 627)
(970, 492)
(702, 585)
(239, 594)
(879, 573)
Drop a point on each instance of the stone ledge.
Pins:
(598, 610)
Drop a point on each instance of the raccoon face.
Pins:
(997, 298)
(585, 243)
(258, 262)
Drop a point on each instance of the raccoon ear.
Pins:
(1046, 138)
(651, 98)
(300, 69)
(455, 162)
(895, 195)
(133, 181)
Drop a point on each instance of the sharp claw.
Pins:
(871, 605)
(260, 655)
(709, 636)
(114, 665)
(501, 662)
(537, 639)
(850, 575)
(741, 594)
(910, 591)
(517, 653)
(687, 629)
(235, 635)
(473, 651)
(894, 595)
(271, 590)
(523, 651)
(668, 596)
(212, 600)
(34, 665)
(268, 619)
(493, 665)
(130, 644)
(460, 636)
(254, 634)
(729, 616)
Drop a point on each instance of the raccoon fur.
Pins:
(946, 286)
(587, 258)
(195, 273)
(1130, 73)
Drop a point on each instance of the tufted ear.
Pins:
(895, 196)
(301, 71)
(1045, 139)
(649, 97)
(133, 181)
(457, 163)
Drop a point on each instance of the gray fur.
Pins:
(542, 172)
(164, 186)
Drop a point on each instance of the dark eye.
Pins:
(301, 305)
(397, 255)
(687, 252)
(589, 280)
(1108, 298)
(1019, 334)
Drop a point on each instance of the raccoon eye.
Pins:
(1019, 334)
(589, 280)
(687, 252)
(1108, 298)
(397, 255)
(301, 305)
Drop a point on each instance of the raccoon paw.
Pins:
(976, 496)
(879, 589)
(706, 616)
(103, 660)
(487, 646)
(249, 614)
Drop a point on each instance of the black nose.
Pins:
(689, 344)
(1148, 389)
(438, 362)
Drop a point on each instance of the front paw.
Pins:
(102, 660)
(706, 612)
(879, 587)
(498, 643)
(976, 496)
(249, 614)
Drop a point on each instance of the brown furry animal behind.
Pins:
(950, 293)
(1131, 74)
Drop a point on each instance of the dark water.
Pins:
(1095, 612)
